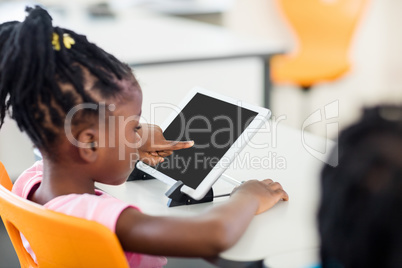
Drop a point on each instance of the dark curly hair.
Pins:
(360, 215)
(40, 84)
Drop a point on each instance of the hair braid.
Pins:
(359, 220)
(34, 76)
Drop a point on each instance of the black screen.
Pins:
(214, 125)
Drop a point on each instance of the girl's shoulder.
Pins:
(102, 208)
(28, 179)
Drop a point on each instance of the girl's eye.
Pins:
(137, 128)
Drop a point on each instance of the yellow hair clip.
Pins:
(68, 41)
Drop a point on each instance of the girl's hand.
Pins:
(155, 146)
(266, 192)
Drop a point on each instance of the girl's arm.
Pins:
(203, 235)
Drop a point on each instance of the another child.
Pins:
(50, 76)
(360, 217)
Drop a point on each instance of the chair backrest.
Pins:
(4, 178)
(58, 240)
(323, 24)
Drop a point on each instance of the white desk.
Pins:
(289, 226)
(187, 7)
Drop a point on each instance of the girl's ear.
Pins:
(89, 152)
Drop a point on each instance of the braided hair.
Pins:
(40, 84)
(360, 215)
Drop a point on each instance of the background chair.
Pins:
(324, 31)
(58, 240)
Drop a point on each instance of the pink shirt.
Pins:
(100, 207)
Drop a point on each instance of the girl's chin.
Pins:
(119, 181)
(115, 181)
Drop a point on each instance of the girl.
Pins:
(45, 73)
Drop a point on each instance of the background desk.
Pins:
(143, 39)
(289, 226)
(209, 11)
(188, 7)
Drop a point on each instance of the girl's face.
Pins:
(121, 137)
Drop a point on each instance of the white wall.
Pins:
(376, 75)
(15, 149)
(237, 78)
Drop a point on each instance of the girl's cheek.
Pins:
(138, 139)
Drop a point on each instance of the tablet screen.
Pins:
(214, 125)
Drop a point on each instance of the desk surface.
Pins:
(188, 7)
(289, 226)
(140, 38)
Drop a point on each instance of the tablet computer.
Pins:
(220, 127)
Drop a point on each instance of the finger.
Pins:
(164, 153)
(152, 161)
(161, 153)
(173, 145)
(284, 195)
(275, 186)
(267, 181)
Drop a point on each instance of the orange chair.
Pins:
(58, 240)
(324, 31)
